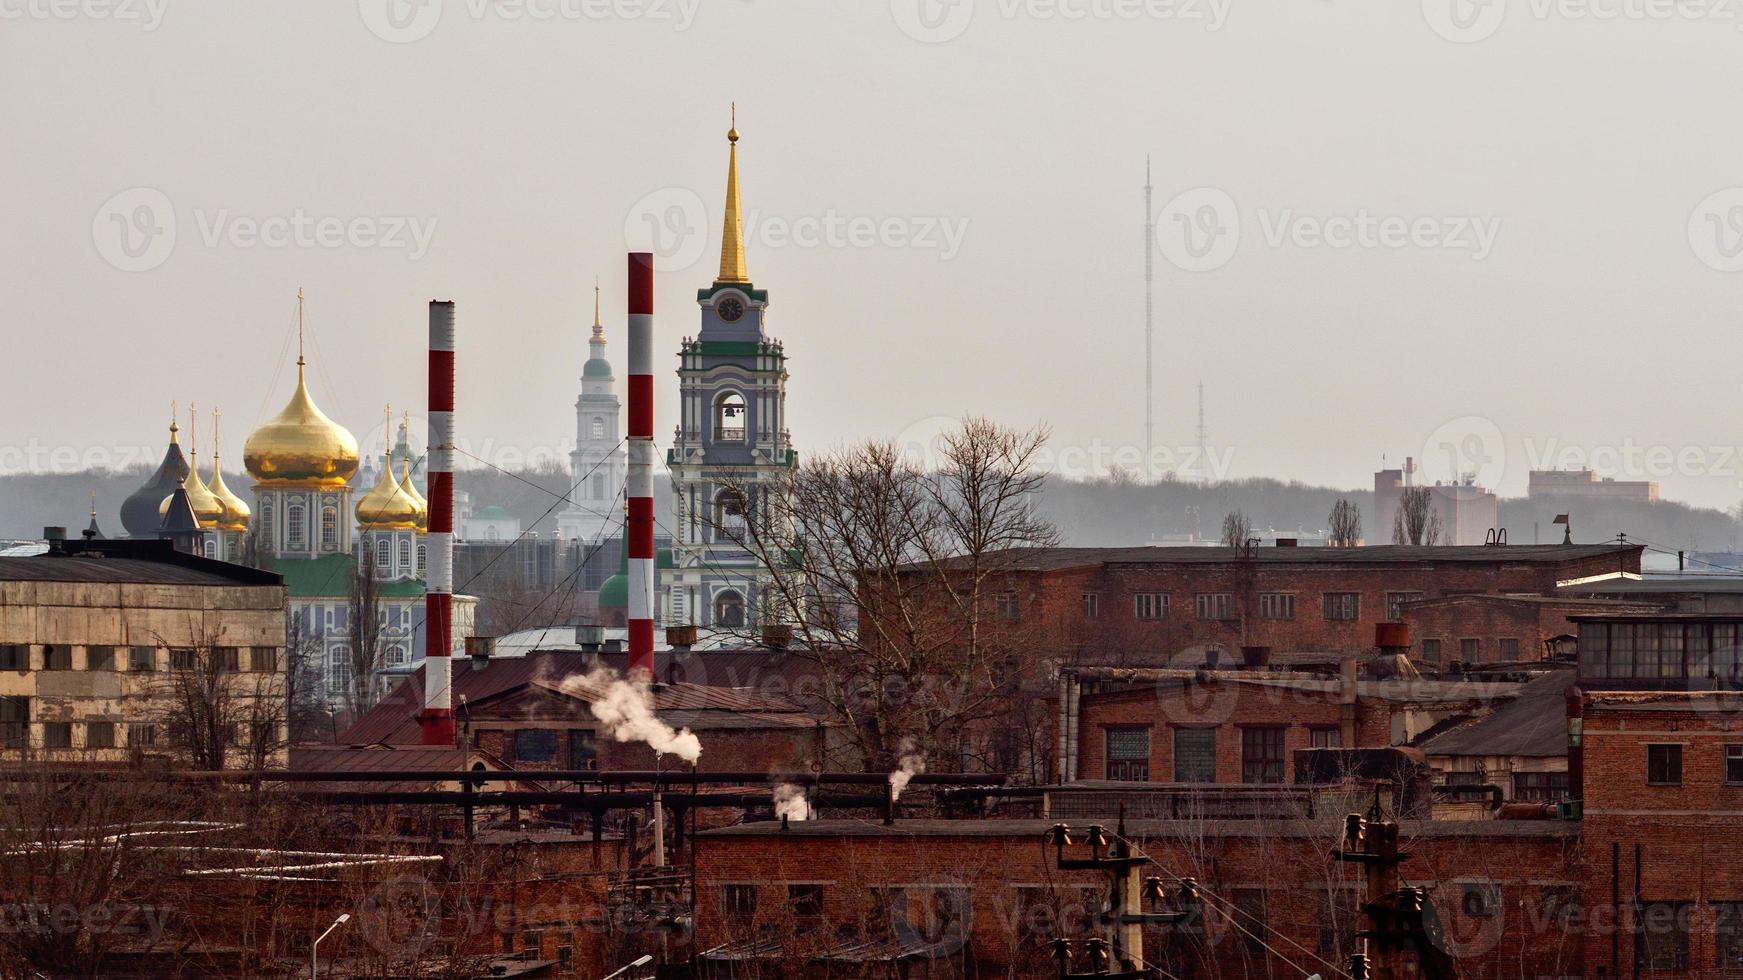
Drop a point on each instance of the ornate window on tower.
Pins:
(266, 520)
(729, 511)
(383, 557)
(729, 416)
(729, 609)
(598, 427)
(423, 553)
(405, 553)
(211, 548)
(293, 525)
(329, 527)
(598, 486)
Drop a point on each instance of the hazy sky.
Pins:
(946, 206)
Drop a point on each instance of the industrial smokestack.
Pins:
(437, 719)
(639, 494)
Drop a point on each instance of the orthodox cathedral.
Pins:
(305, 526)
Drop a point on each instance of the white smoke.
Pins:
(626, 709)
(910, 762)
(790, 802)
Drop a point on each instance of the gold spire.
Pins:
(301, 445)
(598, 328)
(732, 224)
(387, 506)
(236, 512)
(207, 509)
(173, 427)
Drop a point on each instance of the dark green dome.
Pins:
(614, 592)
(596, 367)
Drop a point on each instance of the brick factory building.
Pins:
(1157, 606)
(1485, 629)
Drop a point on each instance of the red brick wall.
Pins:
(1488, 621)
(1228, 707)
(758, 750)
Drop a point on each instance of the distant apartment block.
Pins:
(1586, 484)
(1467, 512)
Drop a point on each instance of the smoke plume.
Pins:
(790, 802)
(910, 762)
(626, 709)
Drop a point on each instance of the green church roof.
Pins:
(596, 368)
(330, 577)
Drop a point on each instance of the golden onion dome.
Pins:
(386, 506)
(300, 445)
(207, 508)
(411, 490)
(236, 512)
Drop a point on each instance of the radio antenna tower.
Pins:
(1149, 328)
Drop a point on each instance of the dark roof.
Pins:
(377, 758)
(1533, 724)
(1055, 559)
(394, 719)
(1661, 585)
(129, 561)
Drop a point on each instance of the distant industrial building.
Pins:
(1467, 512)
(1586, 485)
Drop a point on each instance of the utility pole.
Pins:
(1398, 917)
(1120, 954)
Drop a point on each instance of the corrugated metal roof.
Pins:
(1534, 724)
(106, 570)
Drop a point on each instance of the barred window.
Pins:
(57, 657)
(1150, 605)
(99, 658)
(141, 735)
(1128, 755)
(1195, 755)
(99, 734)
(57, 734)
(1277, 605)
(14, 721)
(14, 656)
(1343, 606)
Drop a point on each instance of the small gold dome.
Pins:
(411, 490)
(300, 445)
(386, 505)
(236, 512)
(207, 508)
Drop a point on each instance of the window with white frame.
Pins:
(1150, 605)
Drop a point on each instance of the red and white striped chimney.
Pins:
(437, 718)
(639, 493)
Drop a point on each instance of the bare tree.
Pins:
(366, 617)
(309, 716)
(894, 580)
(1237, 529)
(1346, 525)
(1416, 522)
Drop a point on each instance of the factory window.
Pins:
(1343, 606)
(14, 656)
(805, 901)
(1540, 787)
(1005, 604)
(293, 525)
(740, 901)
(1728, 935)
(1150, 605)
(183, 659)
(141, 660)
(227, 658)
(1216, 605)
(1734, 764)
(729, 609)
(99, 734)
(1261, 755)
(1470, 650)
(1395, 603)
(583, 749)
(1195, 755)
(1325, 737)
(1431, 651)
(1249, 916)
(1128, 753)
(141, 735)
(1277, 605)
(264, 660)
(1507, 649)
(14, 721)
(1664, 765)
(1480, 899)
(329, 527)
(1091, 605)
(57, 657)
(535, 745)
(1662, 937)
(57, 734)
(729, 417)
(99, 658)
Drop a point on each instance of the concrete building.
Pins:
(94, 636)
(1467, 512)
(1585, 485)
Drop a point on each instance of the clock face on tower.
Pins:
(730, 309)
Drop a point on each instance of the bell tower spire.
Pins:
(732, 223)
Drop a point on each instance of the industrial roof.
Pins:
(1533, 724)
(1054, 559)
(1137, 829)
(1660, 585)
(129, 562)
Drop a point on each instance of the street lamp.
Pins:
(315, 950)
(642, 961)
